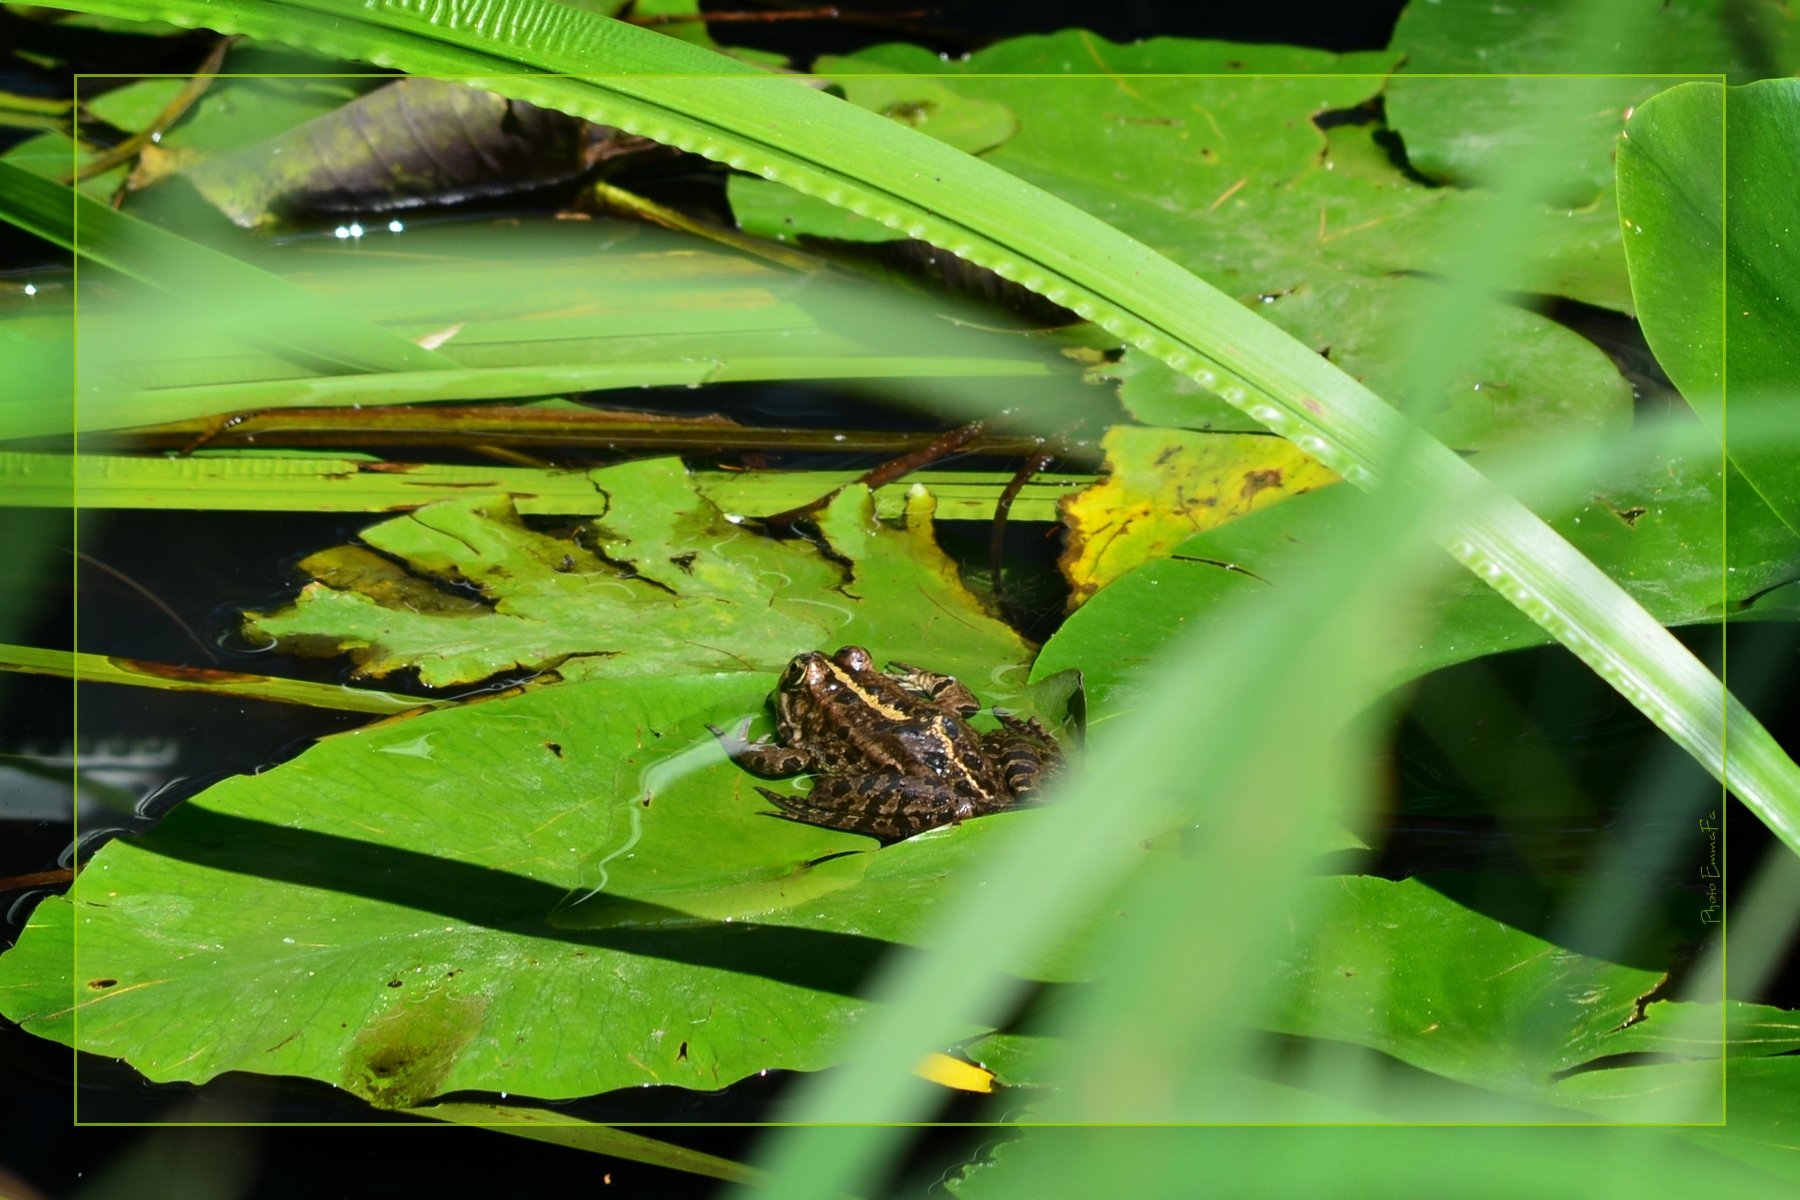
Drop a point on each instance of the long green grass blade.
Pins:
(326, 484)
(102, 668)
(560, 1130)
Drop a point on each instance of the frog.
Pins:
(892, 750)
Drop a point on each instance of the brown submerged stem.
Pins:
(520, 429)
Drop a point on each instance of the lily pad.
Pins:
(1656, 529)
(1674, 178)
(1399, 967)
(1219, 164)
(556, 893)
(663, 583)
(1461, 129)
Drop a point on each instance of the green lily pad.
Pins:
(555, 894)
(1737, 1029)
(1684, 248)
(663, 583)
(1322, 231)
(1656, 529)
(134, 106)
(1462, 129)
(1399, 967)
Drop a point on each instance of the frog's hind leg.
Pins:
(1025, 751)
(891, 807)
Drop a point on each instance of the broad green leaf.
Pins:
(1655, 528)
(554, 894)
(1504, 61)
(665, 584)
(1406, 970)
(1717, 281)
(1320, 231)
(134, 106)
(1689, 1030)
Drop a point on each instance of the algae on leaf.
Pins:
(662, 583)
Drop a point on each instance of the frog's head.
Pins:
(817, 683)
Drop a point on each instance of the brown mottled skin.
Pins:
(893, 750)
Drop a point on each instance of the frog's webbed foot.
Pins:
(768, 759)
(891, 807)
(946, 690)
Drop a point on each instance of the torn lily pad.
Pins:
(662, 583)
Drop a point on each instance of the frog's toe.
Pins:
(734, 738)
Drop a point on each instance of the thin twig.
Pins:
(152, 597)
(887, 472)
(1003, 507)
(172, 112)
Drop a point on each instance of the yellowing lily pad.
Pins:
(1163, 486)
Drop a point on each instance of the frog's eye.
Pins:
(854, 658)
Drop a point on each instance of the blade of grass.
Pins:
(243, 483)
(135, 672)
(557, 1129)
